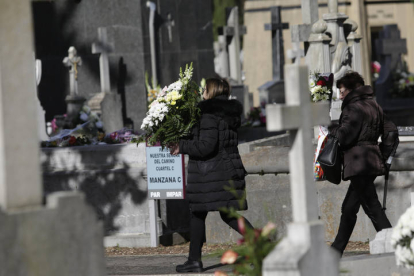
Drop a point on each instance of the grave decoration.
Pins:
(403, 84)
(89, 130)
(320, 86)
(172, 115)
(256, 117)
(402, 239)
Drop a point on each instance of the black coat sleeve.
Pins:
(389, 138)
(207, 142)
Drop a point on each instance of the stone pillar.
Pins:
(64, 237)
(354, 42)
(19, 146)
(318, 58)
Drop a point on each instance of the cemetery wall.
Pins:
(113, 178)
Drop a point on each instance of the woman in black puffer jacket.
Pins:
(214, 165)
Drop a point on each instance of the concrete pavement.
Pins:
(153, 265)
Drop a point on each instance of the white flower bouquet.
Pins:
(402, 239)
(320, 86)
(174, 112)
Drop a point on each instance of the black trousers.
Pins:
(198, 231)
(361, 192)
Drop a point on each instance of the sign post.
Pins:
(166, 180)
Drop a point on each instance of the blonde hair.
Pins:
(216, 87)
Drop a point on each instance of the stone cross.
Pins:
(170, 23)
(390, 46)
(73, 61)
(296, 53)
(234, 31)
(303, 251)
(103, 48)
(310, 14)
(277, 27)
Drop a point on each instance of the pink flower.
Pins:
(269, 227)
(240, 241)
(114, 136)
(54, 125)
(242, 226)
(229, 257)
(219, 273)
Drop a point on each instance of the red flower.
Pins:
(72, 140)
(321, 83)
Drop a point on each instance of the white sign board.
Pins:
(166, 175)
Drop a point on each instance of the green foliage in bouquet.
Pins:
(173, 114)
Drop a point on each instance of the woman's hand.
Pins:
(174, 149)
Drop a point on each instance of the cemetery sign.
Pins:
(165, 172)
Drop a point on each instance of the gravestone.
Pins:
(41, 128)
(241, 93)
(66, 23)
(107, 104)
(221, 60)
(273, 91)
(73, 100)
(310, 14)
(390, 46)
(63, 237)
(232, 32)
(303, 251)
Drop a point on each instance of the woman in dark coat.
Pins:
(215, 170)
(361, 123)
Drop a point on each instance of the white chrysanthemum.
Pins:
(325, 97)
(312, 83)
(175, 86)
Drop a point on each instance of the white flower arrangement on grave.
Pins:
(402, 239)
(86, 115)
(320, 86)
(174, 112)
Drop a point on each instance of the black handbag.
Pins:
(330, 160)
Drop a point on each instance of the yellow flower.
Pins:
(173, 102)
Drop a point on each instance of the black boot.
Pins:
(190, 266)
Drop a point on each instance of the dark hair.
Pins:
(351, 80)
(216, 87)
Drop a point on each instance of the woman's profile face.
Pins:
(205, 95)
(343, 91)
